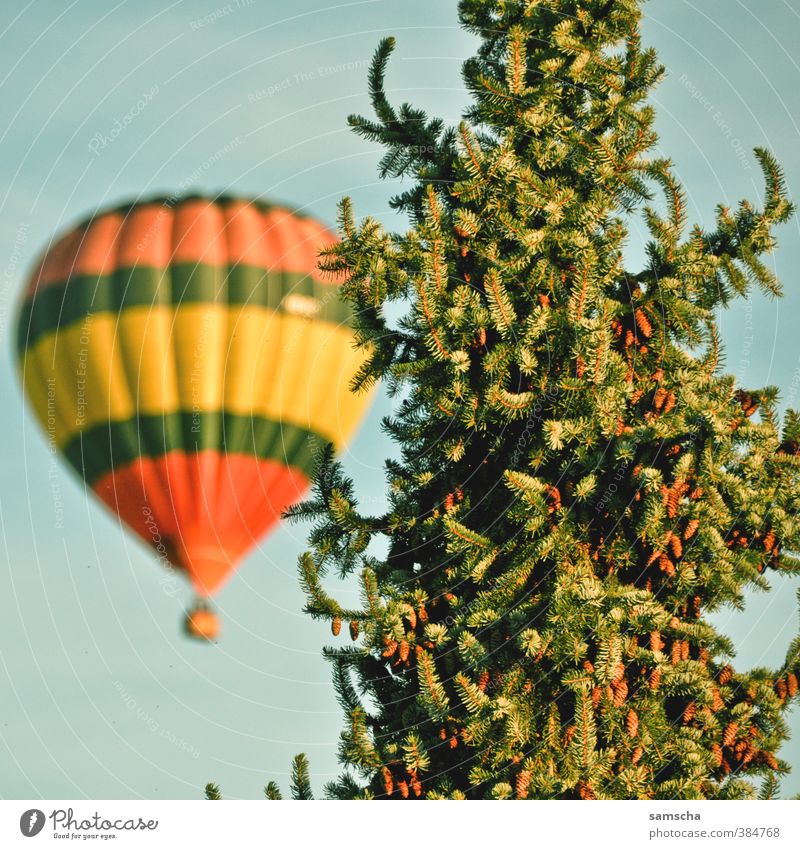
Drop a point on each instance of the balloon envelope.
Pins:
(187, 358)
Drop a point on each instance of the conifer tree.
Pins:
(580, 484)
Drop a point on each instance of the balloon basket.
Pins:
(201, 622)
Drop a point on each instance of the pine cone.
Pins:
(791, 684)
(637, 755)
(643, 323)
(336, 626)
(388, 782)
(402, 786)
(691, 526)
(725, 674)
(354, 630)
(597, 694)
(523, 783)
(675, 653)
(770, 760)
(716, 750)
(656, 643)
(689, 712)
(729, 735)
(403, 651)
(620, 693)
(717, 703)
(483, 680)
(585, 790)
(632, 723)
(655, 679)
(588, 667)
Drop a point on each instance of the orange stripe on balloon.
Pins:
(198, 233)
(205, 537)
(192, 231)
(146, 237)
(243, 231)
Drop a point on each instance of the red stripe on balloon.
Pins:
(203, 512)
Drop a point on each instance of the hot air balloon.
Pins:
(187, 358)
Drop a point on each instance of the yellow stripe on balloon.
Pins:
(249, 361)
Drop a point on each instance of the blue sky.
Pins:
(100, 696)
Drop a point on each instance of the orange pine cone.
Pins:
(677, 547)
(588, 667)
(637, 755)
(482, 336)
(685, 647)
(586, 791)
(791, 684)
(656, 643)
(689, 712)
(388, 782)
(632, 723)
(669, 404)
(483, 681)
(453, 742)
(691, 526)
(729, 735)
(449, 501)
(544, 301)
(643, 323)
(422, 613)
(402, 786)
(769, 541)
(725, 674)
(403, 651)
(619, 673)
(523, 783)
(416, 786)
(629, 338)
(675, 653)
(716, 750)
(336, 626)
(655, 679)
(354, 630)
(717, 703)
(770, 760)
(597, 694)
(391, 647)
(620, 690)
(666, 565)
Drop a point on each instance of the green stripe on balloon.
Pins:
(101, 449)
(58, 306)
